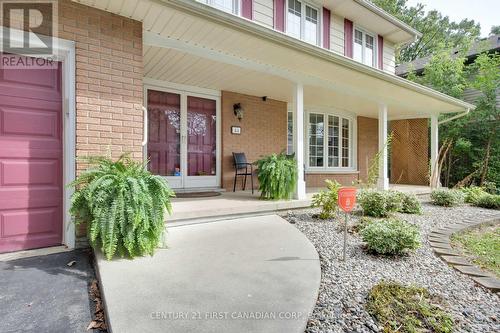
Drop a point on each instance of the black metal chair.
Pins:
(241, 168)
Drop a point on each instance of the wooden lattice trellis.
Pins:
(409, 160)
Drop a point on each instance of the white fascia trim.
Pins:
(212, 14)
(385, 15)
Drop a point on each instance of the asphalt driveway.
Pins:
(44, 294)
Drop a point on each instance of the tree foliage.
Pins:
(438, 31)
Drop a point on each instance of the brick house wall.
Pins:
(263, 132)
(318, 180)
(109, 71)
(367, 144)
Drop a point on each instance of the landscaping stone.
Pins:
(488, 282)
(472, 270)
(454, 260)
(344, 285)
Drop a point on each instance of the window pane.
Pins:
(345, 142)
(369, 50)
(333, 141)
(225, 5)
(294, 14)
(358, 46)
(316, 143)
(289, 147)
(311, 26)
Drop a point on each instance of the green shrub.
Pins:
(394, 200)
(363, 223)
(487, 200)
(123, 205)
(327, 200)
(378, 203)
(446, 197)
(391, 237)
(277, 175)
(410, 204)
(472, 193)
(405, 309)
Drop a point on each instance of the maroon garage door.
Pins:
(30, 158)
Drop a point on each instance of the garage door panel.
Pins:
(38, 123)
(29, 172)
(31, 183)
(30, 222)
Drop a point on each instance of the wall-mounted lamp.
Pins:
(238, 111)
(264, 98)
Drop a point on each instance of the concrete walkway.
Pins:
(256, 274)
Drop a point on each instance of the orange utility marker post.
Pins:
(347, 200)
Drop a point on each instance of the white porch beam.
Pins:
(383, 179)
(434, 148)
(298, 120)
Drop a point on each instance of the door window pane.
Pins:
(345, 142)
(316, 140)
(201, 136)
(294, 15)
(311, 26)
(164, 133)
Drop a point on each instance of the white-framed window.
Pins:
(230, 6)
(289, 133)
(303, 21)
(364, 47)
(330, 141)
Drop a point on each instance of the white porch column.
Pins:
(298, 120)
(434, 146)
(383, 180)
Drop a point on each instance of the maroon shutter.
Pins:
(247, 9)
(348, 38)
(326, 28)
(279, 15)
(380, 50)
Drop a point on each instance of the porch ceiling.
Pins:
(190, 43)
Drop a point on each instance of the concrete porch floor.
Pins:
(243, 203)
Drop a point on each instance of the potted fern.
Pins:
(277, 174)
(123, 205)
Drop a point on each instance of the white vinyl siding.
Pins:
(263, 12)
(337, 34)
(389, 59)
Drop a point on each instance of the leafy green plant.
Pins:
(123, 205)
(391, 237)
(373, 167)
(410, 204)
(378, 203)
(472, 193)
(486, 200)
(407, 309)
(446, 197)
(277, 175)
(327, 200)
(363, 223)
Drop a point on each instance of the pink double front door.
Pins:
(31, 184)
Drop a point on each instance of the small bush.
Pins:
(446, 197)
(277, 175)
(410, 204)
(327, 200)
(394, 200)
(379, 203)
(472, 193)
(487, 200)
(363, 223)
(405, 309)
(391, 237)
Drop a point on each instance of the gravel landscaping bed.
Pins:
(345, 285)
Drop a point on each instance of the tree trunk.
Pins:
(484, 172)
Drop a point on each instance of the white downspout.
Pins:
(145, 134)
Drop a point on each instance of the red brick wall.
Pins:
(318, 180)
(263, 131)
(109, 71)
(367, 144)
